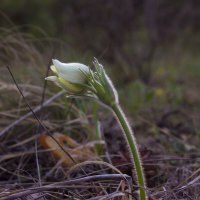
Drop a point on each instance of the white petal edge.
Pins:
(52, 78)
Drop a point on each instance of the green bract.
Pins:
(101, 85)
(69, 76)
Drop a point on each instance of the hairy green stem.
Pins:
(133, 148)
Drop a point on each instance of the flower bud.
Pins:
(69, 76)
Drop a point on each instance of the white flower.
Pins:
(69, 76)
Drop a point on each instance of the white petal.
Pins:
(55, 80)
(72, 72)
(53, 68)
(52, 78)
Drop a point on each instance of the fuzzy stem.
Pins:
(133, 148)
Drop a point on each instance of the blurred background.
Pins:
(149, 48)
(142, 44)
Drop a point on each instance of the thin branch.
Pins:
(40, 117)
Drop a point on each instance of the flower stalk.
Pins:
(132, 147)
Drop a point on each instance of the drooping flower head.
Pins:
(79, 79)
(69, 76)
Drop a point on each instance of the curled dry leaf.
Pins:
(77, 151)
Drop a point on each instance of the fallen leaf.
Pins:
(77, 151)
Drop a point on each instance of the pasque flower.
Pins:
(80, 80)
(69, 76)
